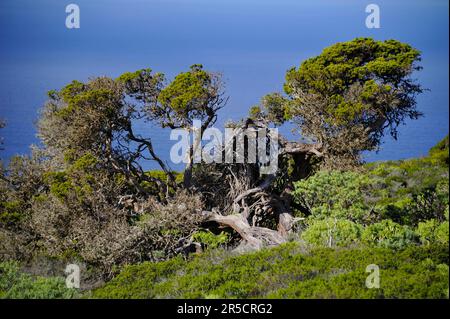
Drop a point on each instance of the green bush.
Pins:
(136, 281)
(406, 192)
(152, 187)
(288, 271)
(332, 232)
(389, 234)
(409, 191)
(334, 194)
(439, 153)
(11, 213)
(209, 239)
(432, 231)
(17, 285)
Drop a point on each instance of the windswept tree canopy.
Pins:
(348, 96)
(195, 94)
(97, 117)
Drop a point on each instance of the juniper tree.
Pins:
(348, 97)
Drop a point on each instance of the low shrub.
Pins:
(432, 231)
(209, 239)
(388, 234)
(406, 191)
(288, 271)
(17, 285)
(332, 232)
(334, 194)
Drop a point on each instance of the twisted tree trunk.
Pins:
(255, 237)
(252, 207)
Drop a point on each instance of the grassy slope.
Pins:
(293, 270)
(288, 271)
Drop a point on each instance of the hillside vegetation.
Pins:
(289, 271)
(391, 214)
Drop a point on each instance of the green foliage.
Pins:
(76, 180)
(87, 162)
(209, 239)
(62, 185)
(288, 271)
(334, 194)
(147, 274)
(273, 108)
(59, 185)
(332, 232)
(17, 285)
(409, 191)
(11, 212)
(152, 187)
(142, 84)
(431, 231)
(69, 91)
(255, 112)
(389, 234)
(362, 59)
(186, 89)
(193, 94)
(406, 192)
(439, 154)
(348, 97)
